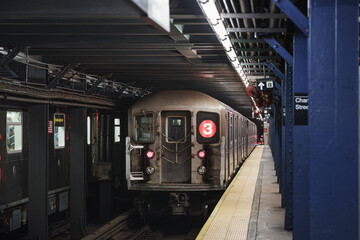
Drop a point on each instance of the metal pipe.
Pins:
(33, 100)
(108, 139)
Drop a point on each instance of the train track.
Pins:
(121, 228)
(111, 229)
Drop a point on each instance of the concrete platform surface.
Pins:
(250, 208)
(268, 218)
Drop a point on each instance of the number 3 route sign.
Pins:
(207, 128)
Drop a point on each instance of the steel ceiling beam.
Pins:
(277, 72)
(253, 30)
(187, 16)
(255, 64)
(279, 49)
(59, 76)
(95, 85)
(245, 40)
(253, 15)
(9, 57)
(294, 14)
(259, 57)
(254, 49)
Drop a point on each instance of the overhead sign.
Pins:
(301, 108)
(207, 128)
(264, 84)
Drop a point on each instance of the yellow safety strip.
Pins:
(231, 216)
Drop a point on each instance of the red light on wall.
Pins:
(0, 136)
(256, 111)
(0, 157)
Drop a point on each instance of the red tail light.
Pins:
(150, 154)
(201, 154)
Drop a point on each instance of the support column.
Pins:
(333, 119)
(283, 138)
(278, 119)
(38, 171)
(78, 172)
(289, 124)
(301, 140)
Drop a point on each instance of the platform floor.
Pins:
(251, 206)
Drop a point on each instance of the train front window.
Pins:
(176, 129)
(144, 129)
(59, 130)
(13, 131)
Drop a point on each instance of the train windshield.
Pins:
(144, 130)
(176, 129)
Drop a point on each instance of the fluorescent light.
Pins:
(220, 29)
(232, 55)
(211, 11)
(227, 44)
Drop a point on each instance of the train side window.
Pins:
(144, 128)
(59, 130)
(14, 125)
(88, 130)
(116, 130)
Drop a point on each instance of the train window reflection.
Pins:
(116, 130)
(14, 131)
(59, 130)
(144, 131)
(176, 129)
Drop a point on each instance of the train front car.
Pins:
(178, 152)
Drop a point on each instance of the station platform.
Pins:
(251, 206)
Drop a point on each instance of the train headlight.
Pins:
(201, 170)
(201, 154)
(150, 154)
(150, 170)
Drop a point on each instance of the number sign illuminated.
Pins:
(207, 128)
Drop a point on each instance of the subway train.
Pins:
(183, 149)
(103, 144)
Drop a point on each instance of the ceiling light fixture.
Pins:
(212, 14)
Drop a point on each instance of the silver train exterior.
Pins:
(181, 142)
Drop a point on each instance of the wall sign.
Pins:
(301, 108)
(264, 84)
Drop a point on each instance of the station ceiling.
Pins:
(116, 41)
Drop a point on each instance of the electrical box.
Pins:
(52, 205)
(16, 219)
(63, 201)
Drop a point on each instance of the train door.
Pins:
(13, 155)
(228, 145)
(176, 147)
(59, 152)
(247, 138)
(234, 143)
(243, 132)
(237, 141)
